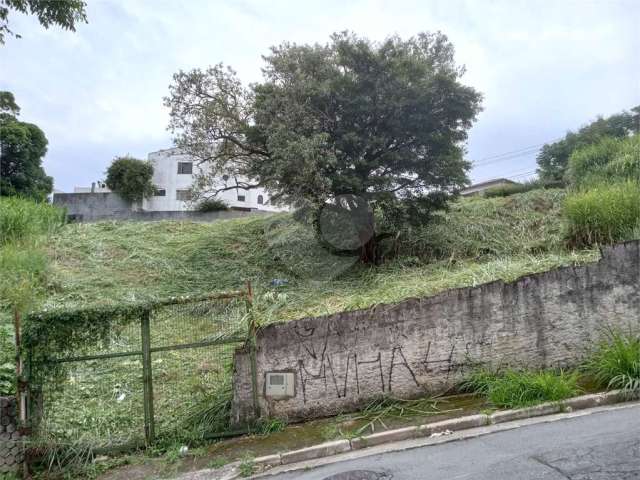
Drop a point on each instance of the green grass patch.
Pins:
(519, 388)
(22, 219)
(615, 362)
(604, 214)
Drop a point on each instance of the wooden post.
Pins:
(147, 378)
(252, 332)
(21, 397)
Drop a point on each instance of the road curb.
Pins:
(436, 429)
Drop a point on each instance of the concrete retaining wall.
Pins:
(10, 446)
(92, 207)
(425, 345)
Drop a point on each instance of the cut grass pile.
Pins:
(477, 241)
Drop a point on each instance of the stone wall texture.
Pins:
(425, 345)
(10, 445)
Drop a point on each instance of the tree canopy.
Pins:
(64, 13)
(22, 148)
(130, 178)
(372, 128)
(553, 158)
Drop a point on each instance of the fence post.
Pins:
(147, 378)
(252, 331)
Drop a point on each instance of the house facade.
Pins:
(173, 176)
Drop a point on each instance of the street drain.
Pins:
(360, 475)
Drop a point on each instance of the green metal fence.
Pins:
(165, 374)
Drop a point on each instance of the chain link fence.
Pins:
(166, 374)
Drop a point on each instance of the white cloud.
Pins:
(544, 66)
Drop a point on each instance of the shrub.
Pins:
(212, 205)
(130, 178)
(22, 219)
(609, 159)
(513, 188)
(603, 214)
(615, 362)
(515, 388)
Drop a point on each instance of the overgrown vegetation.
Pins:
(7, 362)
(513, 188)
(607, 161)
(553, 158)
(22, 220)
(604, 214)
(615, 362)
(522, 388)
(476, 241)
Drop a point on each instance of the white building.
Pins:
(173, 176)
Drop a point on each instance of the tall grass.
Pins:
(518, 388)
(605, 213)
(22, 219)
(615, 362)
(611, 159)
(479, 228)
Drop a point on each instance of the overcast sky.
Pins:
(543, 66)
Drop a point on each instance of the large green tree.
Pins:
(374, 130)
(22, 147)
(64, 13)
(553, 158)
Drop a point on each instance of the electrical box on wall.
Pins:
(280, 385)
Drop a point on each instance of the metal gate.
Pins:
(165, 374)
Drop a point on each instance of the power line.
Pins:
(524, 151)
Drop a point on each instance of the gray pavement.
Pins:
(601, 446)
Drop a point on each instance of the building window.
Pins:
(260, 199)
(241, 198)
(159, 192)
(185, 168)
(183, 195)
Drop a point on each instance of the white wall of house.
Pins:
(172, 180)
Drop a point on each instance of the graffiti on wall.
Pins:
(341, 365)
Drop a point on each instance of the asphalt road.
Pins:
(601, 446)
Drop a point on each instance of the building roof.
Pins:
(479, 187)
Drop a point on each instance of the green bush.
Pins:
(515, 388)
(513, 188)
(212, 205)
(611, 159)
(22, 219)
(603, 214)
(615, 362)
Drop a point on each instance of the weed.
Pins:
(615, 362)
(217, 462)
(267, 426)
(517, 388)
(247, 466)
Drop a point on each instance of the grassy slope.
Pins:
(477, 241)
